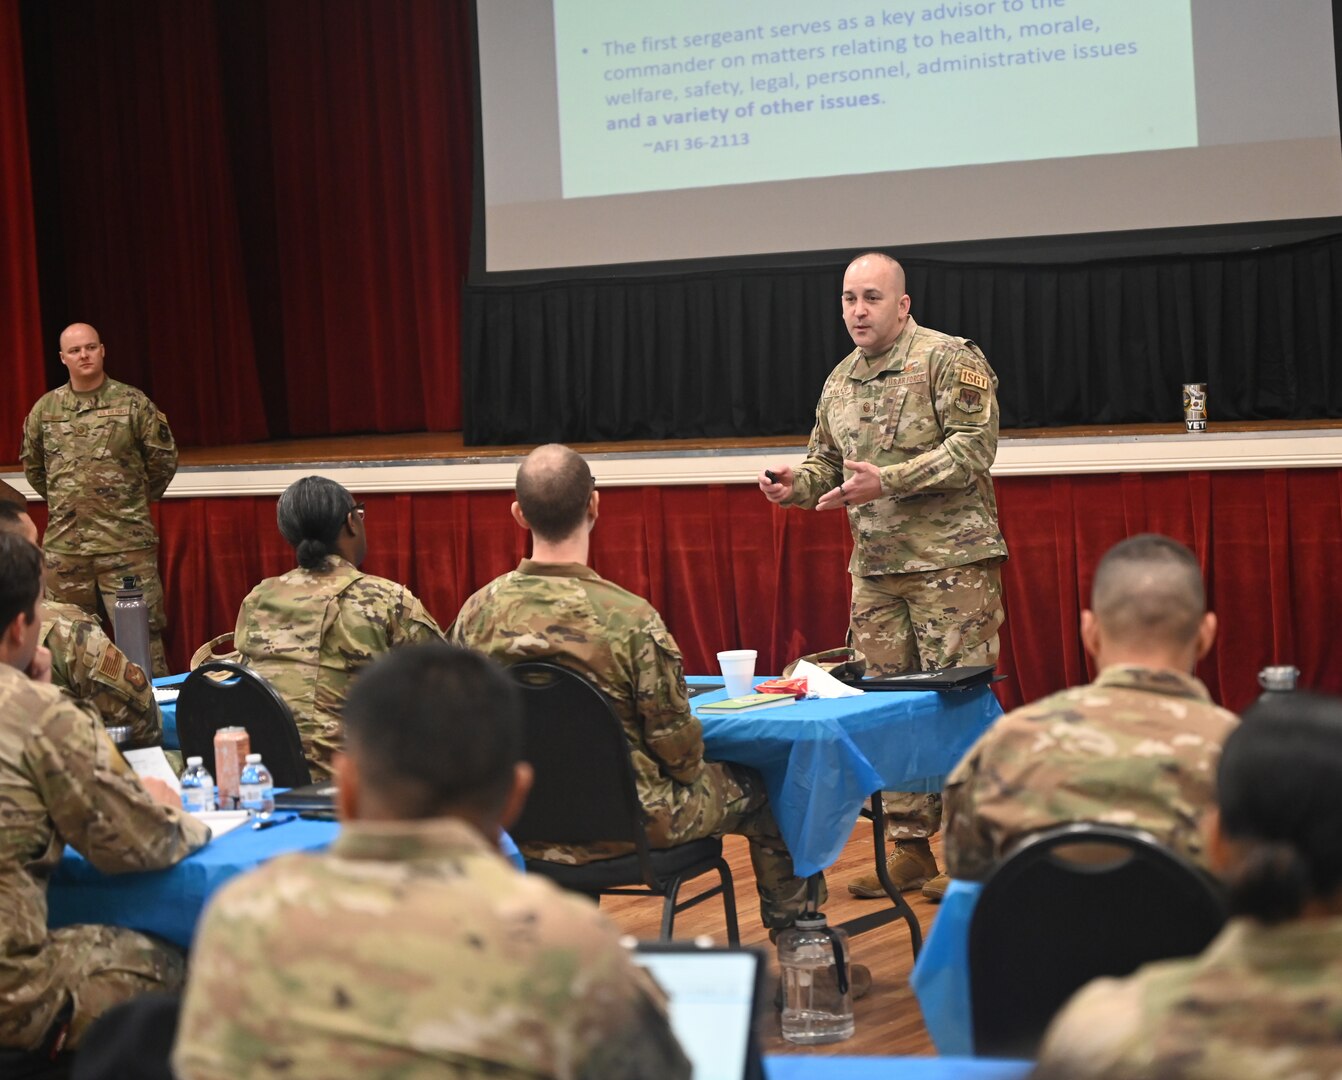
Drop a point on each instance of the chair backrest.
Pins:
(1069, 905)
(584, 790)
(205, 705)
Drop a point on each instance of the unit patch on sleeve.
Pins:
(968, 401)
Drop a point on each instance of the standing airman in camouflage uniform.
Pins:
(905, 433)
(412, 947)
(553, 607)
(85, 663)
(1137, 747)
(308, 632)
(64, 782)
(1264, 1000)
(99, 452)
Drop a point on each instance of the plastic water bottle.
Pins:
(197, 787)
(256, 789)
(817, 1000)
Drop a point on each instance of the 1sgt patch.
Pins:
(971, 377)
(969, 401)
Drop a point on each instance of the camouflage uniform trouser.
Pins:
(84, 580)
(917, 622)
(732, 799)
(96, 966)
(723, 799)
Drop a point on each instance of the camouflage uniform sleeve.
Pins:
(965, 393)
(823, 467)
(94, 670)
(970, 852)
(1097, 1034)
(158, 447)
(413, 623)
(31, 453)
(98, 804)
(673, 734)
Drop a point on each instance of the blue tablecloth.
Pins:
(821, 760)
(820, 1067)
(941, 976)
(169, 902)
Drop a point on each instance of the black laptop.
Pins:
(951, 678)
(316, 798)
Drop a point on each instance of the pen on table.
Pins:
(268, 820)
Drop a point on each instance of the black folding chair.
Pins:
(131, 1041)
(205, 705)
(1069, 905)
(584, 793)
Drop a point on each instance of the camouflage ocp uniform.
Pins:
(927, 589)
(568, 613)
(1261, 1003)
(97, 674)
(413, 949)
(1137, 748)
(62, 781)
(308, 632)
(99, 458)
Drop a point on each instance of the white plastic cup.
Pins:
(738, 670)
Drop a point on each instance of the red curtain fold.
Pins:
(264, 207)
(371, 136)
(150, 240)
(20, 314)
(728, 570)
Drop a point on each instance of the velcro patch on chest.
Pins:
(111, 664)
(114, 412)
(972, 378)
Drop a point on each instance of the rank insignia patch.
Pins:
(973, 378)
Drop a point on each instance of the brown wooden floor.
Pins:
(449, 445)
(888, 1020)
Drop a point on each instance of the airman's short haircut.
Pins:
(10, 515)
(20, 578)
(1149, 588)
(434, 727)
(554, 485)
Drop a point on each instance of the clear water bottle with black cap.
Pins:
(813, 965)
(130, 623)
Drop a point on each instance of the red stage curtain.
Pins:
(20, 316)
(371, 136)
(148, 223)
(728, 570)
(264, 207)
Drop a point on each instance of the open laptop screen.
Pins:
(714, 997)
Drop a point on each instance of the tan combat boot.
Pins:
(935, 889)
(911, 865)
